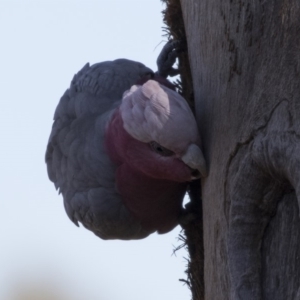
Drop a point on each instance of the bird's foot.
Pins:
(167, 58)
(188, 215)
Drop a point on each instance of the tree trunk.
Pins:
(245, 64)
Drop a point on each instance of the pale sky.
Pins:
(43, 44)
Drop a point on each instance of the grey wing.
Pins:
(76, 159)
(97, 88)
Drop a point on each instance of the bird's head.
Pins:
(158, 135)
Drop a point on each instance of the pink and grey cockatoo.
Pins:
(122, 150)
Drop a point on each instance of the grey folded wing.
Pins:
(76, 158)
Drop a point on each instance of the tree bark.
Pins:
(245, 64)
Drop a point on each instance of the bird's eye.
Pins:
(160, 149)
(149, 75)
(144, 78)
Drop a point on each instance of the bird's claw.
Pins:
(167, 58)
(188, 215)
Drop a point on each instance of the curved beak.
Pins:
(194, 158)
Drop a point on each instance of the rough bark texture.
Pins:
(245, 63)
(192, 232)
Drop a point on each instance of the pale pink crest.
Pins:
(153, 112)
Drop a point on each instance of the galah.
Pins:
(124, 146)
